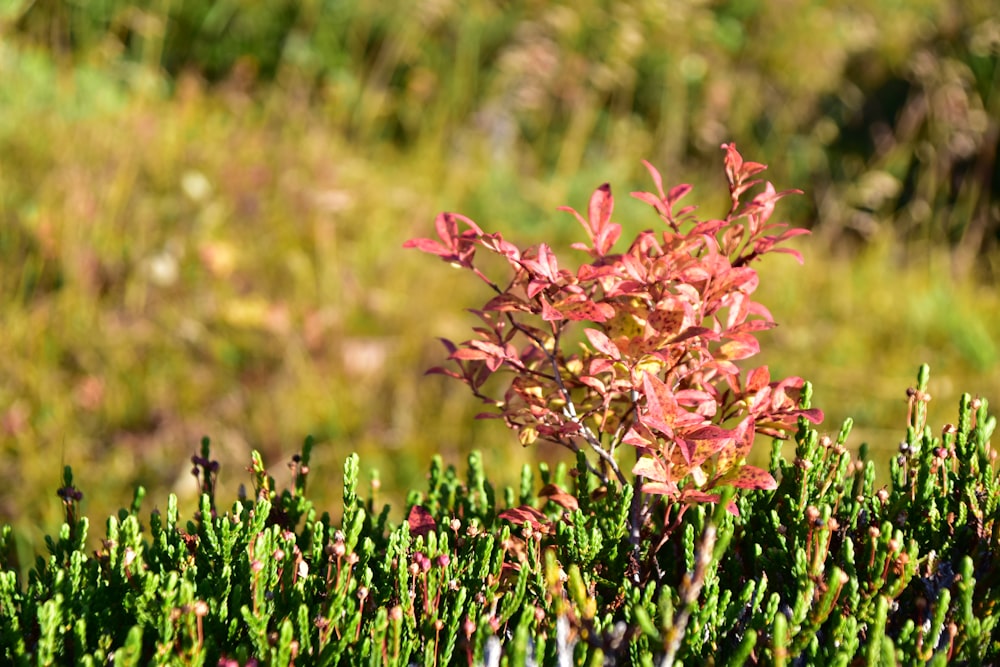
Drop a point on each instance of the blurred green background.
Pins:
(202, 207)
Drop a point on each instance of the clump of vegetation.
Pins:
(805, 561)
(667, 320)
(825, 569)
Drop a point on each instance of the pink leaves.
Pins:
(603, 344)
(664, 203)
(602, 232)
(638, 348)
(420, 521)
(458, 247)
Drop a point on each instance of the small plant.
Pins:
(663, 325)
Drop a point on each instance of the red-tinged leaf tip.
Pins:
(559, 497)
(657, 178)
(601, 206)
(420, 521)
(427, 245)
(677, 192)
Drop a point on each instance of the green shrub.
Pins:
(826, 569)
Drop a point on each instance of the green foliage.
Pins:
(826, 569)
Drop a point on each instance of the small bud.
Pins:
(883, 496)
(812, 513)
(396, 613)
(363, 593)
(874, 532)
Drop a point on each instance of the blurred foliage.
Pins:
(886, 109)
(201, 208)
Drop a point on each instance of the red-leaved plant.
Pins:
(663, 324)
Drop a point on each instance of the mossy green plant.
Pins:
(825, 569)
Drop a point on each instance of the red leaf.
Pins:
(550, 314)
(420, 520)
(526, 514)
(757, 379)
(751, 477)
(507, 302)
(585, 310)
(428, 245)
(594, 384)
(677, 192)
(660, 489)
(739, 348)
(650, 468)
(602, 231)
(603, 344)
(559, 497)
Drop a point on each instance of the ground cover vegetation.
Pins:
(600, 566)
(202, 214)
